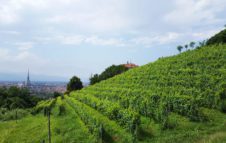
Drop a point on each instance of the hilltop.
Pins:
(180, 98)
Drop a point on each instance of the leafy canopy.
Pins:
(74, 84)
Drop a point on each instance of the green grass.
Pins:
(28, 129)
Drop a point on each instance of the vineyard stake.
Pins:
(49, 133)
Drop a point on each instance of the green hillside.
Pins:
(219, 38)
(176, 99)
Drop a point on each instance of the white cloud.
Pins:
(8, 55)
(82, 39)
(149, 41)
(70, 40)
(7, 15)
(102, 16)
(205, 34)
(24, 46)
(25, 55)
(4, 53)
(195, 12)
(95, 40)
(11, 61)
(96, 15)
(9, 32)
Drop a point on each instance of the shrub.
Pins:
(15, 114)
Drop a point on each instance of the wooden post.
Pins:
(16, 115)
(49, 129)
(101, 133)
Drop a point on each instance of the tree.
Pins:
(186, 46)
(108, 73)
(57, 94)
(219, 38)
(192, 44)
(201, 44)
(74, 84)
(179, 48)
(94, 79)
(14, 97)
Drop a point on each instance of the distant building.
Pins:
(130, 65)
(28, 82)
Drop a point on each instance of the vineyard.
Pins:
(180, 98)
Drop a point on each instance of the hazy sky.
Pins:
(80, 37)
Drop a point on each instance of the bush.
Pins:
(15, 114)
(74, 84)
(57, 94)
(108, 73)
(14, 97)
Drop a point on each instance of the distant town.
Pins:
(39, 88)
(46, 89)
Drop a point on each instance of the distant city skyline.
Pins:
(57, 39)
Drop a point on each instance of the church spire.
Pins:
(28, 82)
(28, 75)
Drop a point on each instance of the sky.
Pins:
(62, 38)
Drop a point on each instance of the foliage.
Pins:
(14, 114)
(179, 48)
(74, 84)
(57, 94)
(14, 97)
(192, 44)
(108, 73)
(45, 106)
(219, 38)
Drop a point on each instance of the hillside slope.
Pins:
(175, 99)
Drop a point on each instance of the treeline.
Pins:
(219, 38)
(14, 97)
(108, 73)
(75, 82)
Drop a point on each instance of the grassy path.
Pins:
(26, 130)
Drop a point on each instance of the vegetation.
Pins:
(219, 38)
(108, 73)
(14, 97)
(74, 84)
(57, 94)
(14, 114)
(179, 48)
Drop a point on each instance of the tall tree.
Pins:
(179, 48)
(74, 84)
(186, 46)
(192, 44)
